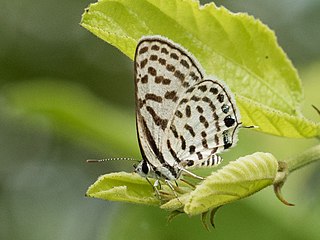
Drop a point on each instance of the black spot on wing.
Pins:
(143, 63)
(164, 50)
(202, 88)
(226, 141)
(213, 90)
(153, 57)
(184, 63)
(228, 121)
(200, 109)
(178, 114)
(204, 143)
(179, 75)
(220, 97)
(192, 149)
(153, 97)
(155, 47)
(190, 89)
(204, 121)
(195, 98)
(157, 120)
(162, 61)
(143, 50)
(174, 56)
(170, 68)
(188, 111)
(190, 129)
(152, 71)
(174, 131)
(203, 134)
(225, 108)
(183, 143)
(144, 79)
(172, 95)
(199, 155)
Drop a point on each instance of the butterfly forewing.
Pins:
(163, 72)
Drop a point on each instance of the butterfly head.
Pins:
(144, 169)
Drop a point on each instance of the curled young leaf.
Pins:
(235, 181)
(126, 187)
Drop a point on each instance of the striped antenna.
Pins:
(110, 159)
(252, 126)
(317, 109)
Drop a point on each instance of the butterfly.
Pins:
(184, 118)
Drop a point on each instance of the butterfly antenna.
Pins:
(110, 159)
(317, 109)
(252, 126)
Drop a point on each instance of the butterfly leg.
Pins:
(172, 188)
(187, 182)
(191, 174)
(157, 184)
(176, 183)
(155, 187)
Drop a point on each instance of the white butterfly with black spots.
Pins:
(184, 118)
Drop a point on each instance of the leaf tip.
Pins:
(280, 180)
(211, 218)
(173, 215)
(204, 220)
(315, 108)
(277, 191)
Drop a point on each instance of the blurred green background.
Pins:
(66, 96)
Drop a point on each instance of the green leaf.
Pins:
(127, 187)
(234, 47)
(238, 179)
(276, 122)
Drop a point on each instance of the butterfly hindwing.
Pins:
(205, 122)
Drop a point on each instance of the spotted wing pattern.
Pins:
(204, 123)
(181, 116)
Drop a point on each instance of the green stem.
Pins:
(308, 156)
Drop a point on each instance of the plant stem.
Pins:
(308, 156)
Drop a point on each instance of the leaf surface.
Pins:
(238, 179)
(127, 187)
